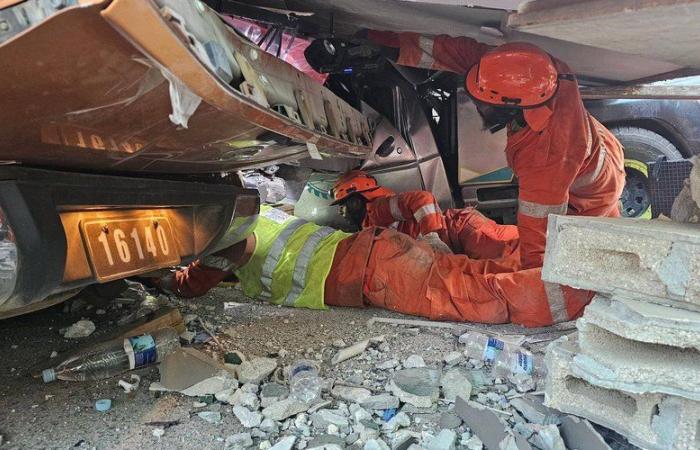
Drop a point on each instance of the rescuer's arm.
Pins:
(442, 52)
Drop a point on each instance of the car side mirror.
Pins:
(387, 147)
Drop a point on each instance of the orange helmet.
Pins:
(360, 182)
(514, 74)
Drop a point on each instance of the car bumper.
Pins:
(46, 212)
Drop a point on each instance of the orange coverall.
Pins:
(465, 231)
(565, 160)
(388, 269)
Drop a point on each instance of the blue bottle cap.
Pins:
(103, 405)
(48, 375)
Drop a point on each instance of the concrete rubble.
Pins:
(375, 398)
(648, 260)
(634, 365)
(411, 386)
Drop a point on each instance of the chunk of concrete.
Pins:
(645, 322)
(534, 411)
(351, 393)
(420, 386)
(248, 418)
(610, 361)
(547, 437)
(381, 401)
(445, 440)
(350, 352)
(284, 409)
(652, 421)
(579, 433)
(484, 423)
(286, 443)
(650, 260)
(321, 419)
(238, 441)
(256, 370)
(455, 384)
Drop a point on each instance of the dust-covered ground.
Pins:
(62, 414)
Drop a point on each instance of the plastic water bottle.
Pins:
(519, 362)
(504, 358)
(484, 347)
(115, 357)
(304, 382)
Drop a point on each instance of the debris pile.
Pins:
(635, 363)
(375, 396)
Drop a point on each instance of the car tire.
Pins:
(641, 147)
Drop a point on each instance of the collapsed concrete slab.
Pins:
(653, 421)
(611, 361)
(642, 259)
(645, 322)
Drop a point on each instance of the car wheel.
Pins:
(641, 147)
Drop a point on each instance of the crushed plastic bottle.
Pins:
(505, 358)
(520, 362)
(483, 347)
(304, 382)
(115, 357)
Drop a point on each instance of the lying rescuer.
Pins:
(417, 214)
(296, 263)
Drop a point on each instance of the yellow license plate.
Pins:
(121, 247)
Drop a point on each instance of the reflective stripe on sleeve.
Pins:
(301, 265)
(426, 57)
(590, 177)
(273, 255)
(395, 209)
(539, 210)
(425, 211)
(557, 302)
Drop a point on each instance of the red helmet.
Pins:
(358, 181)
(514, 74)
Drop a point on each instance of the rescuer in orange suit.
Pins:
(566, 162)
(417, 214)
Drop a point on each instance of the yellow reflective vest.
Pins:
(291, 261)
